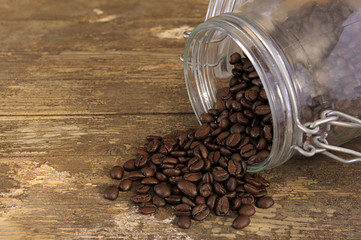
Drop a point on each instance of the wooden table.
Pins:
(82, 83)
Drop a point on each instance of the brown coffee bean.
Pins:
(247, 199)
(247, 210)
(253, 74)
(263, 154)
(193, 177)
(184, 222)
(158, 201)
(265, 202)
(248, 150)
(222, 206)
(255, 132)
(262, 110)
(151, 137)
(117, 172)
(233, 139)
(242, 119)
(111, 192)
(147, 208)
(141, 161)
(231, 184)
(135, 176)
(234, 167)
(211, 201)
(182, 210)
(173, 199)
(245, 103)
(141, 198)
(205, 190)
(261, 180)
(200, 200)
(251, 188)
(129, 165)
(230, 195)
(161, 177)
(225, 152)
(195, 164)
(224, 123)
(149, 181)
(125, 185)
(251, 94)
(163, 189)
(172, 172)
(237, 128)
(206, 118)
(188, 188)
(236, 204)
(267, 133)
(200, 212)
(219, 174)
(261, 144)
(188, 201)
(235, 58)
(142, 189)
(148, 171)
(241, 221)
(153, 146)
(219, 189)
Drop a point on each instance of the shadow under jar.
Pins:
(308, 56)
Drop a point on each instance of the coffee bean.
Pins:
(207, 178)
(251, 94)
(237, 128)
(206, 118)
(141, 161)
(125, 185)
(135, 176)
(242, 119)
(152, 137)
(263, 154)
(172, 172)
(111, 193)
(222, 206)
(184, 222)
(153, 146)
(233, 139)
(262, 110)
(251, 189)
(200, 212)
(236, 203)
(142, 189)
(147, 208)
(261, 180)
(231, 184)
(241, 221)
(195, 164)
(248, 150)
(141, 198)
(247, 199)
(173, 199)
(225, 152)
(234, 167)
(163, 189)
(188, 188)
(182, 210)
(193, 177)
(247, 210)
(235, 58)
(148, 171)
(203, 132)
(129, 165)
(211, 201)
(205, 190)
(265, 202)
(219, 189)
(267, 132)
(149, 181)
(188, 201)
(117, 172)
(158, 201)
(161, 177)
(219, 174)
(176, 191)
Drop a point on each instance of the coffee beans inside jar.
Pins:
(204, 171)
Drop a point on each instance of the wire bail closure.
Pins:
(328, 118)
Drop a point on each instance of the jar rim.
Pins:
(271, 67)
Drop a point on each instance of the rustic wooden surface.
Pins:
(82, 83)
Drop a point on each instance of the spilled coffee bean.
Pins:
(205, 170)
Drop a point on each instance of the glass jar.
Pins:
(308, 56)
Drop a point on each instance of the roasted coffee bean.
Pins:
(265, 202)
(147, 208)
(195, 164)
(182, 210)
(245, 103)
(262, 110)
(241, 119)
(188, 188)
(247, 210)
(141, 198)
(178, 153)
(172, 172)
(163, 189)
(219, 174)
(153, 146)
(207, 178)
(235, 58)
(234, 167)
(193, 177)
(117, 172)
(251, 94)
(207, 165)
(175, 190)
(175, 180)
(236, 106)
(231, 195)
(148, 171)
(225, 152)
(224, 123)
(262, 193)
(129, 165)
(255, 132)
(236, 204)
(206, 118)
(251, 189)
(184, 222)
(125, 185)
(157, 158)
(223, 162)
(200, 212)
(166, 148)
(267, 133)
(173, 199)
(231, 184)
(248, 150)
(261, 144)
(161, 177)
(247, 199)
(222, 206)
(170, 160)
(211, 201)
(142, 189)
(205, 190)
(158, 201)
(261, 180)
(141, 161)
(263, 154)
(200, 200)
(219, 189)
(248, 113)
(149, 181)
(233, 139)
(111, 193)
(241, 221)
(188, 201)
(237, 128)
(202, 132)
(152, 137)
(135, 176)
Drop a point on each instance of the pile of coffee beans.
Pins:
(205, 170)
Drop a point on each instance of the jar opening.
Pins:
(207, 69)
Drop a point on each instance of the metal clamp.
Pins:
(328, 118)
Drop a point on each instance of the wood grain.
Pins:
(82, 83)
